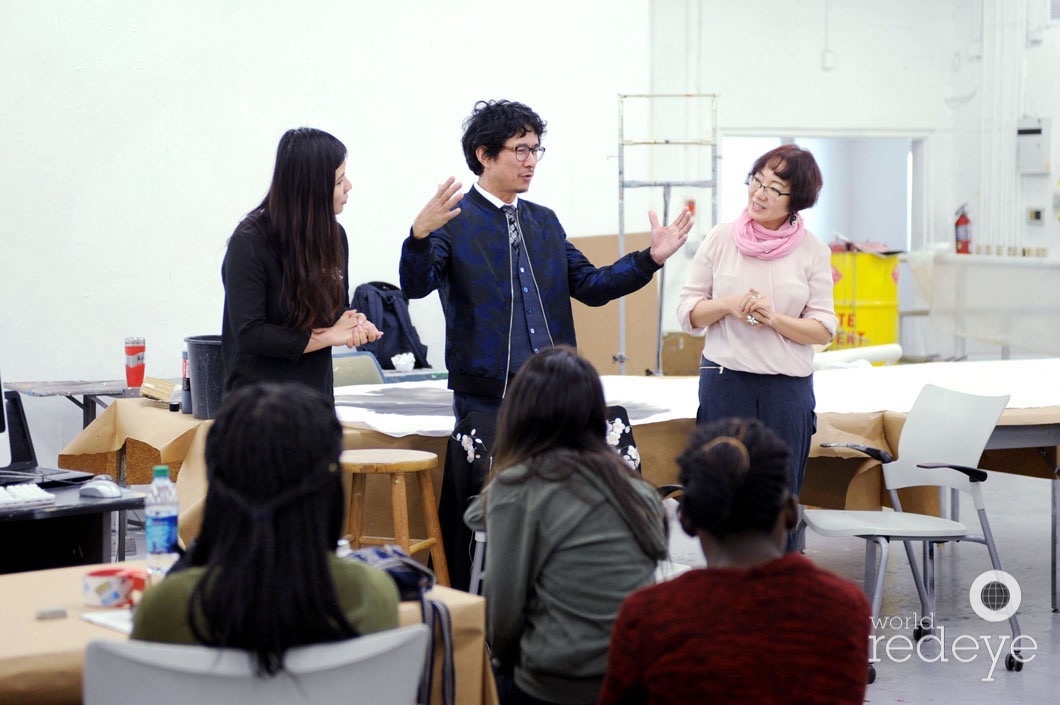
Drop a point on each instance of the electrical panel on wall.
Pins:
(1033, 145)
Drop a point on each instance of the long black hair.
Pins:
(554, 420)
(735, 477)
(300, 207)
(273, 513)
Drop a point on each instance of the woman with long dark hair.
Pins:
(757, 625)
(285, 273)
(570, 531)
(262, 575)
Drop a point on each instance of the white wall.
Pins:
(1004, 66)
(137, 133)
(1042, 99)
(905, 69)
(864, 196)
(764, 59)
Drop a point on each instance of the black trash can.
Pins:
(206, 370)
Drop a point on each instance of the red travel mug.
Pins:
(134, 361)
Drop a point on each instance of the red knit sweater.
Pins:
(784, 632)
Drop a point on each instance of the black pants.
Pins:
(508, 693)
(463, 479)
(784, 404)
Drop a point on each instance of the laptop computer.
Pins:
(18, 459)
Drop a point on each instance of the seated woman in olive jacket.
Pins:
(263, 575)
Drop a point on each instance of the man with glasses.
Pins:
(503, 266)
(505, 273)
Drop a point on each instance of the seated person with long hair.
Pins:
(262, 575)
(570, 532)
(756, 625)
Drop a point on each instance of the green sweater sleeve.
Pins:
(162, 614)
(368, 597)
(510, 545)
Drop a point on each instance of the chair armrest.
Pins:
(875, 453)
(974, 474)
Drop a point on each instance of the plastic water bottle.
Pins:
(160, 525)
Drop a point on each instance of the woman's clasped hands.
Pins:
(352, 329)
(755, 308)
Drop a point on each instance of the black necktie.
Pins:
(515, 236)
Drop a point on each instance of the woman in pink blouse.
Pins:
(760, 290)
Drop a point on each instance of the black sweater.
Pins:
(255, 343)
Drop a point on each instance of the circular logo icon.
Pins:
(995, 595)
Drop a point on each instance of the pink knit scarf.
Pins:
(755, 241)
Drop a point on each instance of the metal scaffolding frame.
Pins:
(710, 140)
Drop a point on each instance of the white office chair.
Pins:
(941, 443)
(359, 367)
(379, 669)
(478, 563)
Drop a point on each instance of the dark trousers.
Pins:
(462, 479)
(784, 404)
(508, 693)
(464, 404)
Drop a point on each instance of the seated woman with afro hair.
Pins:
(757, 625)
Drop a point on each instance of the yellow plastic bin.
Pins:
(866, 299)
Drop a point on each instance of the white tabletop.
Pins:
(1032, 383)
(425, 408)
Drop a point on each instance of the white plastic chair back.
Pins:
(944, 426)
(378, 669)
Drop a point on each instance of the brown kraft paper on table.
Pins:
(841, 478)
(150, 434)
(42, 661)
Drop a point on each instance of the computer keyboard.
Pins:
(21, 496)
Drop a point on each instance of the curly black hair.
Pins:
(494, 122)
(735, 477)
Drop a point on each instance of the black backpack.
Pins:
(387, 307)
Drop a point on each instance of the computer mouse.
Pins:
(100, 488)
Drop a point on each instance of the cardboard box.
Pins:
(681, 353)
(149, 434)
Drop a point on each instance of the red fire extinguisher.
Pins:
(963, 231)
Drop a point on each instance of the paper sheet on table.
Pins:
(120, 620)
(895, 388)
(426, 408)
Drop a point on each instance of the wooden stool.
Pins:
(396, 463)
